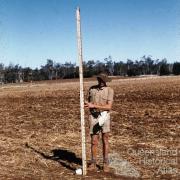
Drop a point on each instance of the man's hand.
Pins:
(88, 105)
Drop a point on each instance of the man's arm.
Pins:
(105, 107)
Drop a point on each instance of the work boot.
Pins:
(92, 166)
(106, 167)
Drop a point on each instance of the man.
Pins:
(100, 101)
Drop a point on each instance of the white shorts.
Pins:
(94, 125)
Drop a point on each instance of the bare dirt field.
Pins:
(40, 129)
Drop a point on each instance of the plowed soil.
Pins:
(40, 128)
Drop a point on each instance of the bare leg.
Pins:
(105, 140)
(94, 146)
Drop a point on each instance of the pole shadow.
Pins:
(65, 157)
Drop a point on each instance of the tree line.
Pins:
(51, 70)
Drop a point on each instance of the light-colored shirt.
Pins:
(101, 95)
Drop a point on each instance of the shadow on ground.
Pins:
(65, 157)
(70, 161)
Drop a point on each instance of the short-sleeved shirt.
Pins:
(101, 95)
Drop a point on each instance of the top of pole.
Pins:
(78, 9)
(77, 12)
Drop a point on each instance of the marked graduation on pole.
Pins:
(80, 58)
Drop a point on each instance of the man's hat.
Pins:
(104, 77)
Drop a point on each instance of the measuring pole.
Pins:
(80, 57)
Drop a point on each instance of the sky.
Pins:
(32, 31)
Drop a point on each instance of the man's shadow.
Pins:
(64, 157)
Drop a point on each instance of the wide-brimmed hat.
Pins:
(104, 77)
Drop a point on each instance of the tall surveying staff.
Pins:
(100, 99)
